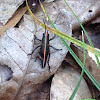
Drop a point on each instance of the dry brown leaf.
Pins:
(7, 9)
(81, 9)
(89, 14)
(64, 83)
(14, 20)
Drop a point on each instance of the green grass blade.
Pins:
(84, 32)
(78, 84)
(81, 65)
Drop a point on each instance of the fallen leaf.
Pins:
(14, 20)
(7, 9)
(64, 83)
(81, 9)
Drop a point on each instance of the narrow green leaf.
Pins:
(81, 65)
(84, 32)
(78, 84)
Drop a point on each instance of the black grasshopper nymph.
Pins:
(44, 52)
